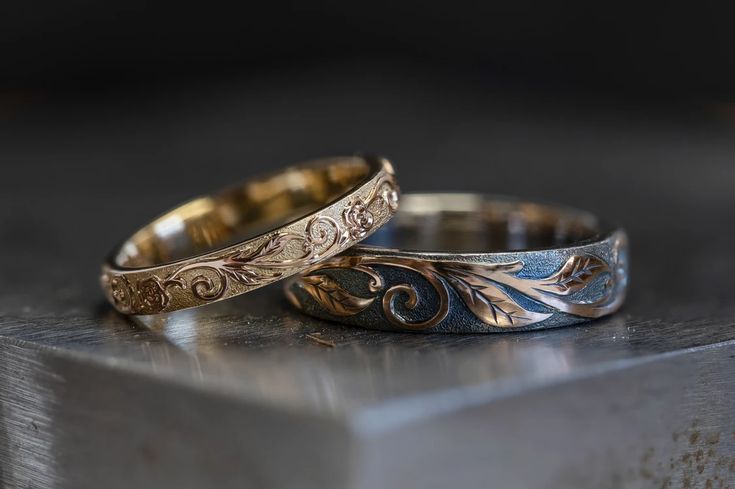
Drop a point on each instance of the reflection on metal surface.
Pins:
(268, 354)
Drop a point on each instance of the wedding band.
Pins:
(465, 263)
(219, 246)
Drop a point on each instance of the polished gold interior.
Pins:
(470, 223)
(242, 212)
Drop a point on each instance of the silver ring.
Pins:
(467, 263)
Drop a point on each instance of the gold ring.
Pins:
(220, 246)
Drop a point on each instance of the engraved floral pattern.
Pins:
(358, 219)
(152, 297)
(280, 255)
(119, 292)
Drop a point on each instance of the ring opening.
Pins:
(242, 212)
(471, 223)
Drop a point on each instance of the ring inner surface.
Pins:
(467, 223)
(241, 212)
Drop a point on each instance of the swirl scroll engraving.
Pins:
(497, 294)
(278, 256)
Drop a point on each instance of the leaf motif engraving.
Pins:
(248, 267)
(491, 291)
(576, 274)
(332, 297)
(488, 302)
(270, 248)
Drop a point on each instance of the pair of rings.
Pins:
(459, 263)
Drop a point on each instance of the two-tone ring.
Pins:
(466, 263)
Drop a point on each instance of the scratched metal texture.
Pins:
(249, 393)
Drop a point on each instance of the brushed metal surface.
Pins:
(249, 393)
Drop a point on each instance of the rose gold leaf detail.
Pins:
(273, 246)
(489, 303)
(269, 249)
(576, 274)
(332, 297)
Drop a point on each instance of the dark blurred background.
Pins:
(111, 112)
(683, 51)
